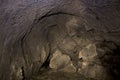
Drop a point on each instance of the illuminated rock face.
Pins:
(87, 62)
(91, 64)
(75, 36)
(59, 60)
(82, 51)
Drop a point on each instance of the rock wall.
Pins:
(73, 36)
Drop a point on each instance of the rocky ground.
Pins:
(53, 75)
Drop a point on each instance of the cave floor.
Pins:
(58, 75)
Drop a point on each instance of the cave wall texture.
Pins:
(81, 35)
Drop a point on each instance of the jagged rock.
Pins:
(17, 73)
(89, 52)
(59, 60)
(71, 26)
(67, 44)
(93, 71)
(70, 68)
(90, 65)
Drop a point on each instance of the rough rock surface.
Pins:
(86, 33)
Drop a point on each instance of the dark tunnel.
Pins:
(59, 39)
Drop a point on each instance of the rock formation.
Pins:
(73, 36)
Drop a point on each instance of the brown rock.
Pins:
(59, 60)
